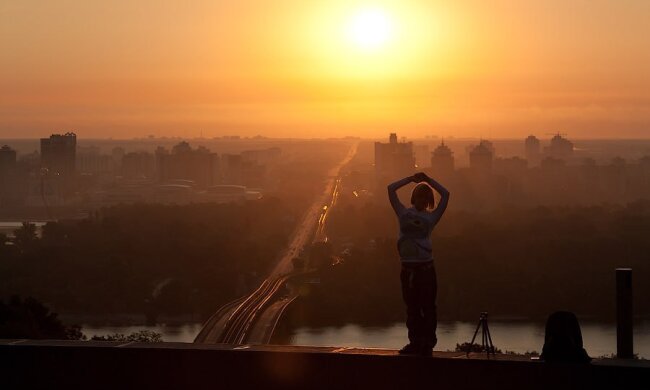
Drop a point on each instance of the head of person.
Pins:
(422, 197)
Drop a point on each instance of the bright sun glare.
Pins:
(370, 28)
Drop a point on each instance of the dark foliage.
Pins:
(148, 258)
(522, 263)
(30, 319)
(143, 336)
(468, 347)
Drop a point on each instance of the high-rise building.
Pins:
(7, 159)
(481, 157)
(442, 160)
(59, 154)
(533, 150)
(394, 159)
(58, 157)
(560, 148)
(138, 165)
(231, 168)
(184, 163)
(90, 161)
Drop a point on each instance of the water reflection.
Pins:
(520, 337)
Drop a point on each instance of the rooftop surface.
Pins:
(88, 364)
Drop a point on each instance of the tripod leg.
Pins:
(490, 340)
(485, 339)
(474, 337)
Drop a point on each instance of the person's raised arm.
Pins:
(444, 195)
(392, 194)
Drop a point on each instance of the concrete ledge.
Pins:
(82, 364)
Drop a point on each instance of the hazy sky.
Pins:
(312, 68)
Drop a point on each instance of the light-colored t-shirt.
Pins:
(415, 226)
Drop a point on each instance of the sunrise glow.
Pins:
(370, 29)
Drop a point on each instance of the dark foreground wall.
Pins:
(96, 365)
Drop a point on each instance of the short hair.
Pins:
(426, 190)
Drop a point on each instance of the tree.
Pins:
(142, 336)
(30, 319)
(25, 237)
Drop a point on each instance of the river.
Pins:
(515, 336)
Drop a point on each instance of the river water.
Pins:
(517, 336)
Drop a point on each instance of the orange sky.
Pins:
(289, 68)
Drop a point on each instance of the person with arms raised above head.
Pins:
(418, 275)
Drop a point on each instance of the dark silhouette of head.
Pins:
(563, 339)
(422, 197)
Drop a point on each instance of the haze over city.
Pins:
(500, 69)
(296, 194)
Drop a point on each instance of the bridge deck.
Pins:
(85, 364)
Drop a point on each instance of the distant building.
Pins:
(117, 154)
(173, 194)
(7, 175)
(422, 154)
(510, 166)
(138, 165)
(551, 164)
(489, 145)
(59, 157)
(225, 193)
(59, 154)
(394, 159)
(198, 165)
(7, 160)
(262, 156)
(125, 194)
(90, 161)
(442, 160)
(560, 148)
(533, 150)
(231, 169)
(481, 157)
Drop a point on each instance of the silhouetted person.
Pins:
(563, 339)
(418, 275)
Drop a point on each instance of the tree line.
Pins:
(147, 258)
(514, 263)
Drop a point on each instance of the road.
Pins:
(253, 318)
(315, 217)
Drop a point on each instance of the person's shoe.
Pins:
(410, 349)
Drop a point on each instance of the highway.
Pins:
(252, 319)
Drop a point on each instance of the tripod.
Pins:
(486, 339)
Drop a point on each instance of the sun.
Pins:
(370, 29)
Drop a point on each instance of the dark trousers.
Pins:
(419, 290)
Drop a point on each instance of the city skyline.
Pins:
(294, 194)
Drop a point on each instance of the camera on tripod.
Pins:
(486, 338)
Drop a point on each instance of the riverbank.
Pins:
(514, 336)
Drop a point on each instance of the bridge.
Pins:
(252, 319)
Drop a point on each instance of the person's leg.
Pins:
(428, 290)
(411, 299)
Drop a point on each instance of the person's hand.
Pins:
(420, 177)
